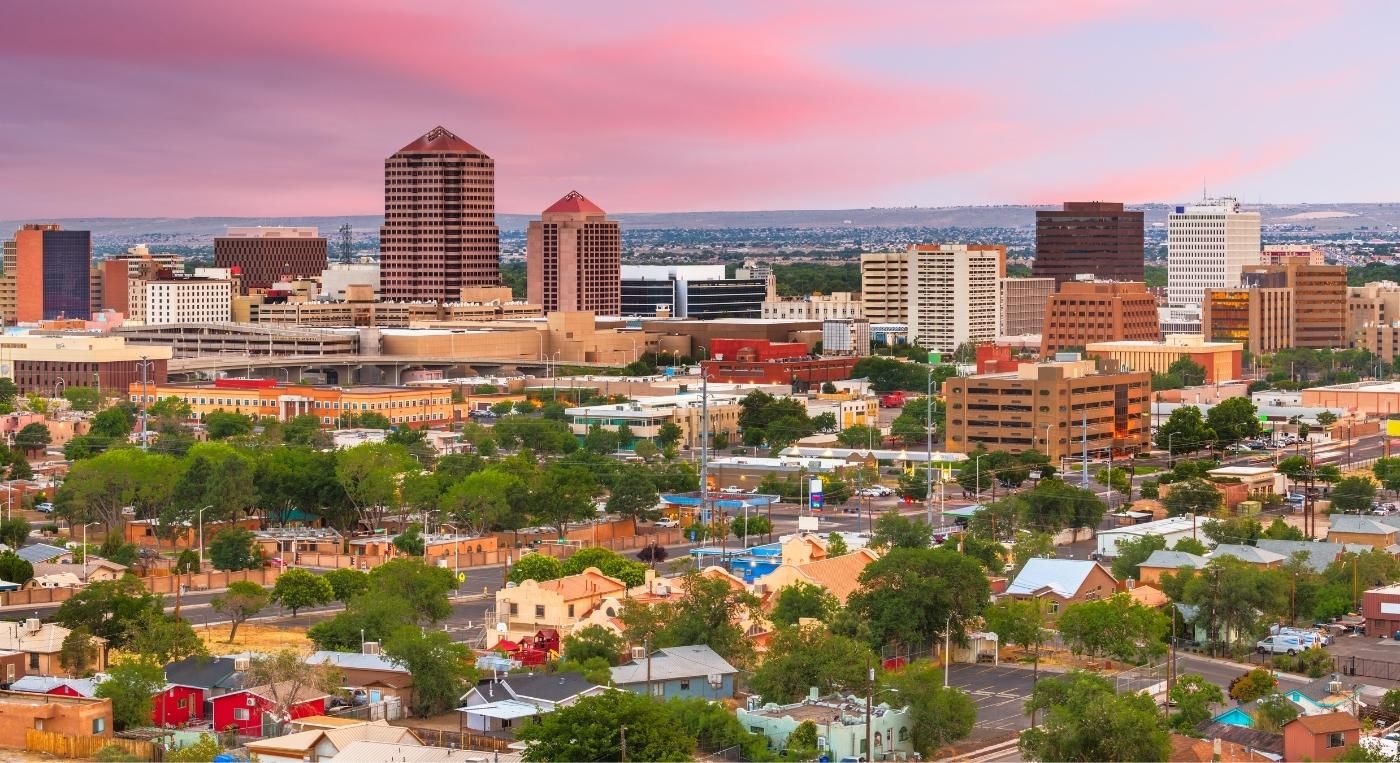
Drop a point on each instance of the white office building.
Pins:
(189, 300)
(1207, 245)
(954, 294)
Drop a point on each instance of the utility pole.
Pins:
(928, 452)
(622, 730)
(1084, 440)
(646, 644)
(869, 695)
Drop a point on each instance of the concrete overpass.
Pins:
(358, 369)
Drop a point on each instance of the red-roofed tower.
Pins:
(439, 229)
(573, 258)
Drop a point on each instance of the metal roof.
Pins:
(699, 661)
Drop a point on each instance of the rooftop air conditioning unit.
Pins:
(370, 647)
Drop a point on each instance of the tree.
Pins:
(1252, 685)
(132, 685)
(1133, 552)
(33, 437)
(539, 567)
(647, 451)
(911, 426)
(442, 669)
(346, 584)
(802, 742)
(369, 617)
(1387, 471)
(1234, 420)
(593, 641)
(99, 489)
(1117, 627)
(1031, 545)
(1243, 530)
(940, 715)
(706, 613)
(1184, 431)
(1390, 701)
(859, 436)
(1281, 530)
(288, 678)
(1084, 719)
(1272, 712)
(410, 541)
(609, 563)
(8, 391)
(634, 495)
(232, 549)
(170, 408)
(1194, 496)
(1353, 495)
(753, 525)
(242, 600)
(481, 501)
(296, 588)
(1018, 621)
(221, 424)
(1326, 419)
(1191, 546)
(369, 474)
(563, 494)
(601, 441)
(14, 532)
(894, 530)
(836, 545)
(164, 638)
(109, 608)
(1191, 373)
(801, 600)
(668, 434)
(800, 658)
(78, 654)
(911, 596)
(1193, 697)
(590, 730)
(422, 586)
(14, 569)
(202, 751)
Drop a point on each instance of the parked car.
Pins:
(731, 489)
(667, 522)
(44, 507)
(275, 561)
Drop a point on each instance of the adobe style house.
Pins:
(41, 643)
(532, 605)
(78, 716)
(1060, 582)
(839, 575)
(1320, 737)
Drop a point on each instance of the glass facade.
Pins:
(67, 262)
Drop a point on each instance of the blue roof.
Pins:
(966, 511)
(40, 552)
(1235, 717)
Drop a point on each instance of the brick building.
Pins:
(264, 256)
(573, 258)
(1082, 312)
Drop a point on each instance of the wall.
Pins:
(60, 715)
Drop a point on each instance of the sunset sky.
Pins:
(288, 107)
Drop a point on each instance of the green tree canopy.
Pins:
(131, 685)
(591, 729)
(803, 600)
(800, 658)
(296, 589)
(1083, 718)
(233, 549)
(242, 600)
(911, 596)
(442, 669)
(940, 715)
(1193, 496)
(1185, 431)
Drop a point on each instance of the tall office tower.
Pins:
(884, 286)
(265, 256)
(573, 258)
(953, 294)
(52, 273)
(1207, 246)
(439, 229)
(1088, 237)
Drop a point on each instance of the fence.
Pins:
(86, 747)
(1361, 666)
(461, 740)
(391, 709)
(163, 584)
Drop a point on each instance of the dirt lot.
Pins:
(253, 637)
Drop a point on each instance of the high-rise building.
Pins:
(189, 300)
(573, 258)
(1374, 304)
(953, 294)
(1282, 254)
(1319, 299)
(265, 256)
(884, 286)
(1259, 317)
(1098, 311)
(439, 229)
(1009, 411)
(1208, 244)
(1096, 238)
(689, 291)
(9, 295)
(53, 273)
(1023, 305)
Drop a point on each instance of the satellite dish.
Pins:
(500, 627)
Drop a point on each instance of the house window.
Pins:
(685, 685)
(240, 713)
(571, 610)
(99, 725)
(183, 703)
(1335, 739)
(539, 610)
(1054, 607)
(33, 660)
(514, 609)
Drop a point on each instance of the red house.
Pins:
(177, 705)
(245, 708)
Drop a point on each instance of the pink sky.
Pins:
(289, 108)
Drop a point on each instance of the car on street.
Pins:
(731, 489)
(667, 522)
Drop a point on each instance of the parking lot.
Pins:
(1000, 694)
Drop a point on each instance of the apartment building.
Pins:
(1050, 407)
(1208, 244)
(1083, 312)
(1023, 305)
(189, 300)
(953, 294)
(884, 286)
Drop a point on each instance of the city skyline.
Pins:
(166, 109)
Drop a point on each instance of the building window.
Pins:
(685, 685)
(1335, 739)
(539, 610)
(99, 725)
(33, 660)
(1054, 607)
(514, 609)
(240, 713)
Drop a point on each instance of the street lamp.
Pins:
(58, 382)
(144, 365)
(200, 516)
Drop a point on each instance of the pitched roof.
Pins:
(1062, 576)
(439, 140)
(699, 661)
(47, 640)
(1326, 723)
(340, 737)
(550, 687)
(356, 661)
(1351, 523)
(1148, 596)
(41, 552)
(840, 575)
(1251, 554)
(1257, 740)
(79, 571)
(202, 672)
(1173, 560)
(85, 687)
(295, 695)
(1320, 553)
(574, 201)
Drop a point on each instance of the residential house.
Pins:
(12, 666)
(1060, 582)
(178, 705)
(41, 644)
(210, 677)
(245, 708)
(499, 704)
(1162, 561)
(43, 552)
(321, 745)
(94, 571)
(1254, 555)
(1320, 737)
(1319, 554)
(374, 674)
(55, 580)
(1172, 529)
(1353, 528)
(1187, 749)
(1148, 596)
(66, 687)
(840, 721)
(678, 672)
(559, 604)
(77, 716)
(1256, 742)
(658, 590)
(839, 575)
